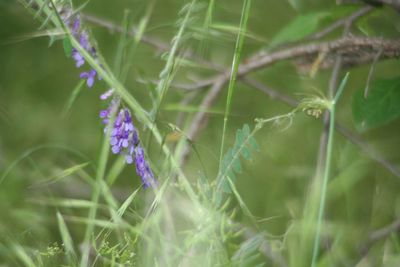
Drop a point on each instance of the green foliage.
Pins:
(379, 107)
(245, 143)
(300, 27)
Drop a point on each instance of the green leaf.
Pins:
(381, 106)
(67, 47)
(298, 28)
(246, 130)
(253, 143)
(246, 153)
(237, 166)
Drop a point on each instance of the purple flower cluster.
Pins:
(124, 139)
(83, 37)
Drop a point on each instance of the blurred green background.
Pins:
(36, 81)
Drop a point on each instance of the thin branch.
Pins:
(341, 22)
(380, 234)
(353, 49)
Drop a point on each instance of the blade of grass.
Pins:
(71, 100)
(235, 67)
(22, 255)
(66, 238)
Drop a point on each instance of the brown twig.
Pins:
(354, 51)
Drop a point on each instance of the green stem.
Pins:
(329, 151)
(235, 67)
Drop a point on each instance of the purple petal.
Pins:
(90, 81)
(104, 113)
(76, 25)
(116, 149)
(125, 143)
(84, 75)
(107, 94)
(129, 159)
(113, 141)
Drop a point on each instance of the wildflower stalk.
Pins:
(327, 168)
(108, 77)
(140, 113)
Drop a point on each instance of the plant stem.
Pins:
(235, 68)
(329, 151)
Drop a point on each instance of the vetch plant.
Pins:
(124, 137)
(228, 183)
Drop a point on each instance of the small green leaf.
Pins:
(240, 139)
(298, 28)
(237, 166)
(253, 144)
(67, 47)
(381, 106)
(246, 130)
(246, 153)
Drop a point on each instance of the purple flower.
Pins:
(107, 94)
(76, 25)
(79, 60)
(84, 41)
(143, 168)
(124, 139)
(89, 76)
